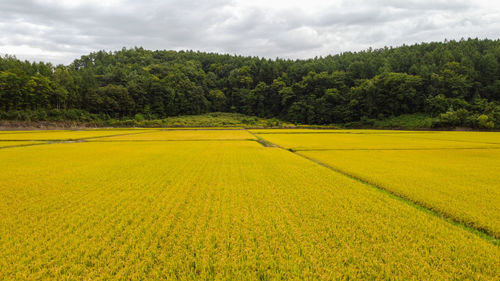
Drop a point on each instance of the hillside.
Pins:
(213, 119)
(453, 83)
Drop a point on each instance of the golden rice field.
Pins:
(203, 128)
(176, 135)
(47, 135)
(349, 141)
(482, 137)
(24, 132)
(329, 131)
(204, 208)
(463, 184)
(5, 144)
(453, 173)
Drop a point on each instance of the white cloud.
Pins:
(62, 30)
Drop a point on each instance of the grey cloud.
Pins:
(64, 32)
(429, 5)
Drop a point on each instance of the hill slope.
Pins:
(457, 83)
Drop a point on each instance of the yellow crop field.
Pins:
(166, 135)
(47, 135)
(477, 137)
(463, 184)
(4, 144)
(366, 141)
(26, 131)
(328, 131)
(202, 128)
(453, 173)
(212, 209)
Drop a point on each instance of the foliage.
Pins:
(213, 119)
(406, 121)
(352, 88)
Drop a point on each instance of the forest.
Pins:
(456, 83)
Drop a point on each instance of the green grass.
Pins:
(406, 121)
(214, 119)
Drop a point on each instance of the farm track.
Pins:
(482, 233)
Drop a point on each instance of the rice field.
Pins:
(179, 135)
(62, 135)
(331, 131)
(453, 173)
(462, 184)
(351, 141)
(140, 206)
(5, 144)
(475, 137)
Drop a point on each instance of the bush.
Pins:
(452, 118)
(484, 123)
(139, 117)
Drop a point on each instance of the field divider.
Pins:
(82, 139)
(42, 142)
(340, 133)
(384, 149)
(174, 140)
(203, 129)
(117, 135)
(57, 141)
(482, 233)
(450, 140)
(23, 145)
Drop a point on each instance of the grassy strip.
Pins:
(186, 140)
(430, 148)
(23, 145)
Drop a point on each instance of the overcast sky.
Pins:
(62, 30)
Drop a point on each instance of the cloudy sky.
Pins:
(62, 30)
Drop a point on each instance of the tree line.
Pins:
(458, 82)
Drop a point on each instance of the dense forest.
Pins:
(455, 82)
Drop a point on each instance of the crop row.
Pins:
(453, 173)
(214, 210)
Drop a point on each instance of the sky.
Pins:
(60, 31)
